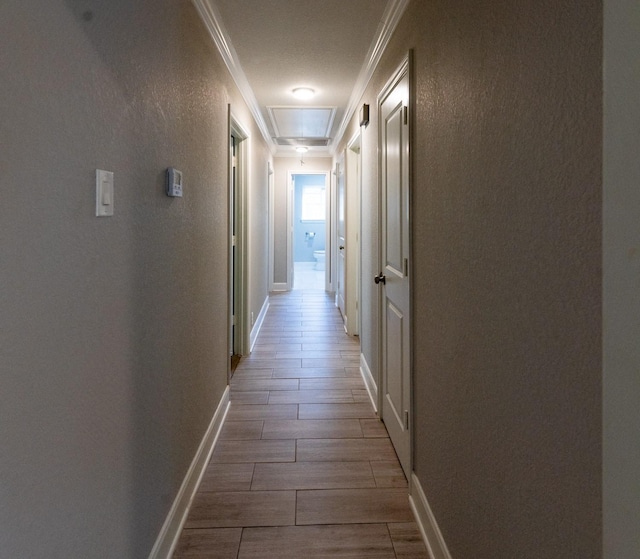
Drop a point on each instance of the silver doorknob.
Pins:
(380, 278)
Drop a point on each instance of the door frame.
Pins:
(237, 280)
(340, 289)
(404, 69)
(332, 230)
(290, 228)
(271, 195)
(353, 193)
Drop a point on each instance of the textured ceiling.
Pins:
(283, 44)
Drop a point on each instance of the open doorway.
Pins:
(309, 230)
(238, 331)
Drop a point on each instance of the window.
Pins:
(313, 203)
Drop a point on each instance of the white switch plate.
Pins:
(104, 193)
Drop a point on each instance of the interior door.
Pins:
(352, 257)
(341, 239)
(238, 330)
(394, 276)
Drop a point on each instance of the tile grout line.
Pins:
(240, 542)
(386, 524)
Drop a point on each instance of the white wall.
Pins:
(257, 225)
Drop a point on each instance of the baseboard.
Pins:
(427, 524)
(170, 532)
(280, 287)
(369, 382)
(255, 330)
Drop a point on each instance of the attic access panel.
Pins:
(308, 142)
(302, 122)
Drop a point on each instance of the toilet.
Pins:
(319, 256)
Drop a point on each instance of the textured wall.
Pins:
(257, 217)
(621, 304)
(507, 270)
(113, 355)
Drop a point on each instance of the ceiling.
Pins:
(274, 46)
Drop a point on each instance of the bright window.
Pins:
(313, 203)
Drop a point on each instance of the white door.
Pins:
(341, 240)
(238, 249)
(353, 187)
(393, 279)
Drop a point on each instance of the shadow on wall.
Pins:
(148, 81)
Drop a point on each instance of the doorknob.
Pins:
(380, 278)
(340, 248)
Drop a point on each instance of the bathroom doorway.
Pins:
(309, 230)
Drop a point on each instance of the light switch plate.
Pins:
(104, 193)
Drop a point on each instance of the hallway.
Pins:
(303, 467)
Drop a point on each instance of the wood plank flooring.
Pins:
(303, 467)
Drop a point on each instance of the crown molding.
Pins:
(390, 19)
(213, 23)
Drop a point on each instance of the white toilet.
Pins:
(319, 256)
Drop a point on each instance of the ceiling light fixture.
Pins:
(303, 92)
(302, 150)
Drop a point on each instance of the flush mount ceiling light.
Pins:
(303, 92)
(302, 149)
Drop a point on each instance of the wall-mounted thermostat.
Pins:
(174, 182)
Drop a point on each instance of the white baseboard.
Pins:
(170, 532)
(369, 382)
(258, 324)
(280, 287)
(427, 524)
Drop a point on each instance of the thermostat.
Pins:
(174, 182)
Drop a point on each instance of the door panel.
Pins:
(393, 343)
(395, 254)
(393, 187)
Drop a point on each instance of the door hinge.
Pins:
(406, 114)
(406, 266)
(406, 419)
(233, 320)
(233, 240)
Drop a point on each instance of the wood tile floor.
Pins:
(303, 468)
